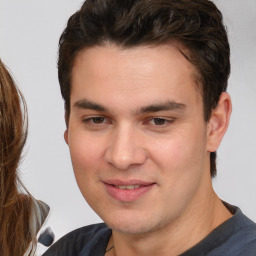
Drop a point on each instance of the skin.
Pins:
(137, 114)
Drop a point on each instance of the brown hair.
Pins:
(196, 24)
(15, 237)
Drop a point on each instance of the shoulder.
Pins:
(76, 241)
(38, 214)
(242, 239)
(236, 237)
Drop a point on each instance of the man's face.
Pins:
(137, 136)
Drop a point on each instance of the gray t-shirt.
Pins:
(234, 237)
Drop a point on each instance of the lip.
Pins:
(127, 195)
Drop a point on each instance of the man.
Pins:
(144, 84)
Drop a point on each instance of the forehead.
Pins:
(144, 73)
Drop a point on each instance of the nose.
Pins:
(126, 149)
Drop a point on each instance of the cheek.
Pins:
(170, 151)
(181, 161)
(182, 152)
(85, 153)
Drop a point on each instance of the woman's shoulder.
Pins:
(39, 212)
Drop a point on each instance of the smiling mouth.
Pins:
(128, 192)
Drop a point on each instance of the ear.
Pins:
(218, 123)
(66, 136)
(66, 132)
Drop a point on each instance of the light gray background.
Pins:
(29, 32)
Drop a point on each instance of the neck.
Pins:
(198, 220)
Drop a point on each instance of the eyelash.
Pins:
(90, 120)
(160, 119)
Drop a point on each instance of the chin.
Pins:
(133, 226)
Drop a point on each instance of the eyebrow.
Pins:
(166, 106)
(170, 105)
(86, 104)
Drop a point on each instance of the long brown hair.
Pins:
(15, 235)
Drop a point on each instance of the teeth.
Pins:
(129, 187)
(121, 187)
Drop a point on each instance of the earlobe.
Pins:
(66, 136)
(218, 123)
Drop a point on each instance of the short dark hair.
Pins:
(196, 24)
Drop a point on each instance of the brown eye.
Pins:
(159, 121)
(98, 120)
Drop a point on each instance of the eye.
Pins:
(159, 121)
(97, 120)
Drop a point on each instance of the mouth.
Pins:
(129, 187)
(128, 191)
